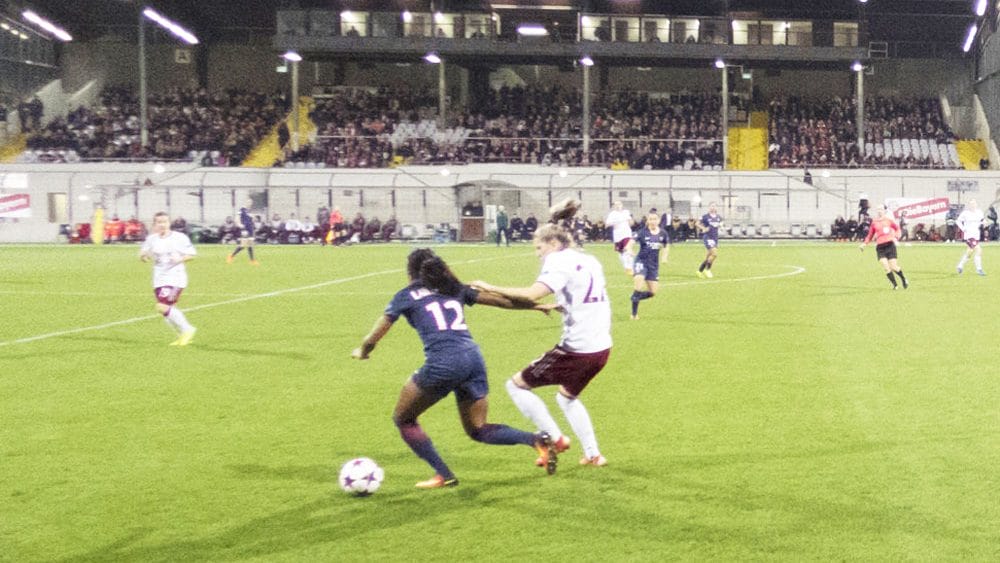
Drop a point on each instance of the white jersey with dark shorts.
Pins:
(165, 250)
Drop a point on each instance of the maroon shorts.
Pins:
(572, 370)
(168, 294)
(972, 242)
(621, 245)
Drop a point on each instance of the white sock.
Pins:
(179, 320)
(579, 421)
(628, 260)
(533, 408)
(170, 323)
(965, 258)
(978, 261)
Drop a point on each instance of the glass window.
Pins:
(845, 34)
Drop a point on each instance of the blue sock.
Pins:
(250, 251)
(237, 251)
(421, 445)
(502, 435)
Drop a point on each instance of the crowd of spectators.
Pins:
(823, 133)
(382, 127)
(221, 127)
(361, 127)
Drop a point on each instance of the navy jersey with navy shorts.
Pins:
(711, 236)
(647, 262)
(452, 360)
(246, 223)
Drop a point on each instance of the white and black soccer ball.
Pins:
(361, 476)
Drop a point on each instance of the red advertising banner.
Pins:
(15, 205)
(924, 208)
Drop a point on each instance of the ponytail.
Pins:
(436, 275)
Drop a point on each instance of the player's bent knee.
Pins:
(476, 433)
(162, 309)
(516, 382)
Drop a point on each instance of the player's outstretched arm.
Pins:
(503, 302)
(381, 328)
(532, 293)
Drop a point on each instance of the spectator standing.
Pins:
(503, 226)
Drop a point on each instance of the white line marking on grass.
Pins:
(795, 270)
(226, 302)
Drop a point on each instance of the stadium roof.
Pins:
(940, 21)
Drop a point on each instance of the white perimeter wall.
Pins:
(423, 195)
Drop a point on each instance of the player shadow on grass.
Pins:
(335, 519)
(244, 352)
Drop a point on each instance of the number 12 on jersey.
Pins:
(437, 311)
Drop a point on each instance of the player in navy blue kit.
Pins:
(709, 227)
(433, 305)
(646, 269)
(246, 237)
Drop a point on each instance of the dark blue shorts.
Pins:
(463, 372)
(710, 243)
(648, 269)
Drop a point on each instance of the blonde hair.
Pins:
(550, 232)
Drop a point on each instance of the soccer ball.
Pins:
(361, 476)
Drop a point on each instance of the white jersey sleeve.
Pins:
(165, 251)
(577, 280)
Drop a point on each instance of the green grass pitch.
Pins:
(794, 407)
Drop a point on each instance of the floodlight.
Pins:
(532, 30)
(45, 24)
(857, 66)
(586, 61)
(719, 63)
(171, 26)
(407, 16)
(292, 56)
(980, 7)
(969, 38)
(432, 58)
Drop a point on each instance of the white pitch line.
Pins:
(796, 270)
(218, 304)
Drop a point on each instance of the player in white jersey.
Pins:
(169, 250)
(577, 281)
(969, 221)
(620, 221)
